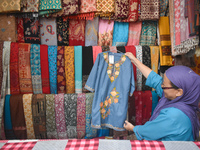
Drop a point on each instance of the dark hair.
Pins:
(174, 86)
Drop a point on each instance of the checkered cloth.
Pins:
(19, 145)
(82, 144)
(197, 144)
(147, 145)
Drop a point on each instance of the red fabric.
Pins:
(150, 145)
(19, 146)
(44, 69)
(197, 144)
(14, 68)
(20, 30)
(138, 107)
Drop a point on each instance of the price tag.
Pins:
(111, 59)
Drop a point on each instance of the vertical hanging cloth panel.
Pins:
(96, 50)
(1, 63)
(8, 6)
(146, 106)
(46, 7)
(20, 30)
(138, 72)
(134, 33)
(138, 107)
(154, 58)
(131, 109)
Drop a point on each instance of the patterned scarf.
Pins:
(138, 72)
(9, 6)
(121, 9)
(76, 32)
(62, 31)
(105, 32)
(39, 115)
(70, 107)
(164, 4)
(105, 8)
(154, 58)
(138, 107)
(146, 106)
(96, 51)
(61, 81)
(88, 6)
(36, 68)
(20, 30)
(60, 116)
(31, 6)
(44, 69)
(47, 7)
(14, 68)
(91, 32)
(134, 33)
(69, 69)
(52, 58)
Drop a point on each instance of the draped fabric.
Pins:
(131, 109)
(69, 69)
(91, 32)
(39, 115)
(50, 117)
(154, 58)
(88, 6)
(134, 33)
(14, 68)
(6, 59)
(27, 105)
(146, 106)
(17, 116)
(24, 69)
(70, 107)
(1, 63)
(105, 7)
(81, 108)
(44, 69)
(8, 6)
(120, 28)
(138, 107)
(138, 72)
(105, 32)
(95, 52)
(164, 4)
(20, 30)
(62, 31)
(36, 68)
(60, 116)
(76, 32)
(47, 7)
(191, 14)
(31, 6)
(78, 68)
(61, 81)
(121, 9)
(52, 58)
(32, 30)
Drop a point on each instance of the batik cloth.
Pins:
(76, 32)
(70, 107)
(14, 68)
(39, 115)
(138, 72)
(134, 33)
(50, 117)
(121, 9)
(96, 50)
(31, 6)
(78, 68)
(69, 69)
(88, 6)
(36, 68)
(32, 31)
(27, 105)
(105, 32)
(60, 116)
(52, 58)
(91, 32)
(105, 8)
(120, 28)
(48, 32)
(47, 7)
(114, 96)
(154, 58)
(20, 30)
(61, 81)
(44, 69)
(148, 33)
(8, 6)
(62, 31)
(8, 28)
(164, 4)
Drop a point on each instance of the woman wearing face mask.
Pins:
(175, 117)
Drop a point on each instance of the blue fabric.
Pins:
(7, 116)
(154, 100)
(90, 132)
(52, 58)
(112, 85)
(103, 132)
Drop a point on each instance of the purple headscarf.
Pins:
(186, 79)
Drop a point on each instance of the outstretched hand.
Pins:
(128, 126)
(130, 55)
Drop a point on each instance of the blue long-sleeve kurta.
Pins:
(170, 125)
(112, 84)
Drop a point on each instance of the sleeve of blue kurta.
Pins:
(132, 84)
(154, 80)
(90, 84)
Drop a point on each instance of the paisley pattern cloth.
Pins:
(47, 6)
(31, 6)
(20, 30)
(36, 68)
(138, 72)
(88, 6)
(8, 6)
(70, 107)
(62, 31)
(134, 33)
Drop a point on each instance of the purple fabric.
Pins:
(186, 79)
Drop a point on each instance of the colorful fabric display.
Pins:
(47, 7)
(154, 58)
(96, 51)
(138, 72)
(105, 8)
(20, 30)
(31, 6)
(121, 9)
(62, 31)
(134, 33)
(8, 6)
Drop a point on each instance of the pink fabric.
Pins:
(134, 33)
(113, 49)
(96, 50)
(177, 22)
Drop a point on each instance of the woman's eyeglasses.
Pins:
(167, 88)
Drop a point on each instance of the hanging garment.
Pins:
(20, 30)
(138, 107)
(164, 4)
(134, 33)
(30, 6)
(8, 6)
(121, 9)
(88, 6)
(146, 106)
(62, 31)
(154, 58)
(138, 72)
(47, 7)
(1, 63)
(107, 101)
(105, 8)
(96, 50)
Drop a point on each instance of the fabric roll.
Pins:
(134, 33)
(47, 7)
(138, 72)
(76, 32)
(105, 8)
(25, 82)
(78, 68)
(154, 58)
(121, 49)
(164, 4)
(69, 69)
(39, 115)
(48, 32)
(62, 31)
(52, 59)
(96, 50)
(81, 108)
(120, 28)
(14, 68)
(154, 100)
(32, 31)
(50, 117)
(20, 30)
(31, 6)
(88, 6)
(121, 9)
(70, 107)
(61, 81)
(1, 63)
(27, 105)
(133, 11)
(36, 68)
(44, 69)
(8, 6)
(105, 32)
(17, 116)
(60, 116)
(91, 32)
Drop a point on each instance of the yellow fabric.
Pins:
(154, 58)
(105, 8)
(69, 69)
(9, 5)
(27, 104)
(197, 68)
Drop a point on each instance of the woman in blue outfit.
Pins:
(175, 117)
